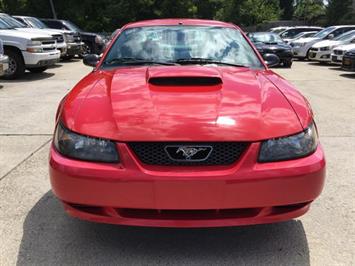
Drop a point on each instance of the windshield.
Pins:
(183, 44)
(347, 36)
(13, 23)
(324, 33)
(4, 25)
(265, 37)
(36, 23)
(72, 26)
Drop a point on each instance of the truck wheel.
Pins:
(37, 69)
(288, 63)
(16, 65)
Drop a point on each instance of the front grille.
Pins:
(154, 153)
(59, 38)
(49, 42)
(338, 52)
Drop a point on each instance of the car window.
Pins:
(173, 43)
(36, 23)
(323, 33)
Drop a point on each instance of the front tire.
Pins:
(16, 65)
(287, 63)
(37, 69)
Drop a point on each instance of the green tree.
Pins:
(287, 9)
(249, 12)
(339, 11)
(309, 10)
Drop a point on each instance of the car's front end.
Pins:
(41, 52)
(74, 44)
(301, 47)
(348, 62)
(186, 141)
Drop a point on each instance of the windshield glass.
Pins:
(14, 23)
(345, 36)
(183, 43)
(4, 25)
(265, 37)
(36, 23)
(324, 33)
(72, 26)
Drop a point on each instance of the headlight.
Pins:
(34, 43)
(84, 148)
(325, 48)
(69, 38)
(288, 148)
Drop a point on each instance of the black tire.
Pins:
(287, 63)
(16, 65)
(37, 69)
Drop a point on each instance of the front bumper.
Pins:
(74, 48)
(131, 193)
(299, 51)
(348, 63)
(336, 59)
(4, 64)
(320, 56)
(40, 59)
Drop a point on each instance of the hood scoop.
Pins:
(183, 76)
(185, 81)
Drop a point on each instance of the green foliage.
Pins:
(287, 9)
(309, 10)
(340, 12)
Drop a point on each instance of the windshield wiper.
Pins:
(197, 60)
(136, 61)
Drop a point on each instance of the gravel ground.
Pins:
(35, 230)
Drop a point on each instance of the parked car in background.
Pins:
(268, 42)
(293, 31)
(27, 50)
(302, 46)
(300, 35)
(349, 61)
(321, 50)
(15, 24)
(72, 47)
(279, 29)
(339, 51)
(92, 42)
(4, 60)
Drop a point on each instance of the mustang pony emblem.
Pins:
(188, 152)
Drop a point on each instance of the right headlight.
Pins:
(291, 147)
(76, 146)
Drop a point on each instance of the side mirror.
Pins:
(91, 60)
(331, 36)
(271, 60)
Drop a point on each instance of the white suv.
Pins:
(32, 51)
(58, 36)
(301, 47)
(321, 50)
(338, 52)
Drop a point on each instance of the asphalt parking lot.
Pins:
(34, 229)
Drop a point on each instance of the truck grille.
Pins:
(59, 38)
(155, 153)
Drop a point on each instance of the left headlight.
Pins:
(291, 147)
(84, 148)
(327, 48)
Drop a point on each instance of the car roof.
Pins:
(182, 21)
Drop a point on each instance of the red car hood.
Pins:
(175, 103)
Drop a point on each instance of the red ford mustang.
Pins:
(182, 124)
